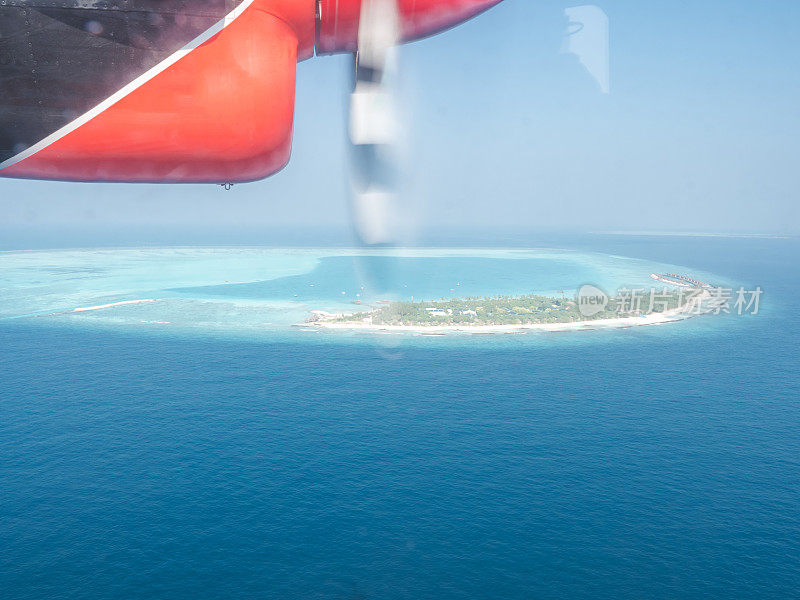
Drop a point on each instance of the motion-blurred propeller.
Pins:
(374, 128)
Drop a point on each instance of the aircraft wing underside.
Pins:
(173, 90)
(169, 90)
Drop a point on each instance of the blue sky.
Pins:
(699, 133)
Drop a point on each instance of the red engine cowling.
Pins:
(338, 20)
(169, 91)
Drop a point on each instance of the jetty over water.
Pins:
(680, 280)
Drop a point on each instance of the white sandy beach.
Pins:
(677, 314)
(101, 306)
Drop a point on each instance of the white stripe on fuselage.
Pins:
(133, 85)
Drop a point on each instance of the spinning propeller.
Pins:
(374, 128)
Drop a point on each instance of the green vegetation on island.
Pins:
(509, 310)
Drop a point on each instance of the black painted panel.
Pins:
(60, 58)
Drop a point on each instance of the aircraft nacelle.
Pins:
(339, 19)
(169, 90)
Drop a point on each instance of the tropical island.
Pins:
(511, 313)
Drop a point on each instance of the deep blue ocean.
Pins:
(626, 465)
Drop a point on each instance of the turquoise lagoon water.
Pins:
(260, 292)
(212, 458)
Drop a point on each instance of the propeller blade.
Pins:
(374, 128)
